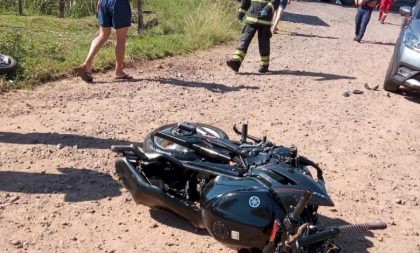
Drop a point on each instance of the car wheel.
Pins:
(389, 84)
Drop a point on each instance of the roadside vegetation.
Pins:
(47, 47)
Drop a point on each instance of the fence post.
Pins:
(61, 8)
(140, 21)
(20, 7)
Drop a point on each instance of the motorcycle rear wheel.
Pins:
(7, 64)
(152, 143)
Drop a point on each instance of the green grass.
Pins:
(48, 48)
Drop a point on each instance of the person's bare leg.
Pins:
(120, 51)
(273, 26)
(277, 19)
(97, 43)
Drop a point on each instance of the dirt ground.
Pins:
(58, 192)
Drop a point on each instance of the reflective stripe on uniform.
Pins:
(265, 60)
(258, 21)
(242, 10)
(260, 1)
(237, 57)
(239, 52)
(271, 6)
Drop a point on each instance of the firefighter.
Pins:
(257, 15)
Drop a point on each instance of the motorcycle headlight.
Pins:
(412, 41)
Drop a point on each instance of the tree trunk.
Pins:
(20, 7)
(61, 8)
(140, 21)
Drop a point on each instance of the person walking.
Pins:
(257, 16)
(364, 12)
(277, 15)
(111, 14)
(384, 8)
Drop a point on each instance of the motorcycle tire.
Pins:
(152, 143)
(7, 64)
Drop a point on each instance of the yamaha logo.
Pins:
(254, 201)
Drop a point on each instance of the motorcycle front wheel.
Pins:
(7, 64)
(152, 143)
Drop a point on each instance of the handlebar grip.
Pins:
(362, 227)
(374, 225)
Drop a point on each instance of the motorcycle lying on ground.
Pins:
(7, 64)
(250, 195)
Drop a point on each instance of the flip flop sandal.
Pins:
(124, 77)
(86, 76)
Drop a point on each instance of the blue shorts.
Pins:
(114, 13)
(283, 4)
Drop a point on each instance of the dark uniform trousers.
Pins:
(248, 33)
(362, 20)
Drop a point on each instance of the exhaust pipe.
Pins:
(412, 83)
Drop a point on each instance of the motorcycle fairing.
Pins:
(289, 183)
(232, 218)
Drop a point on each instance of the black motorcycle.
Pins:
(7, 64)
(250, 195)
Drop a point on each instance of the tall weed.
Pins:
(203, 22)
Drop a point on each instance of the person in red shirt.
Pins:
(384, 8)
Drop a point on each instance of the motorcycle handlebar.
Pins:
(374, 225)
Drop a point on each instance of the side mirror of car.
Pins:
(406, 11)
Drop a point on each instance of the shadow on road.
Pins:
(170, 219)
(112, 80)
(411, 95)
(77, 184)
(319, 75)
(312, 36)
(378, 43)
(389, 23)
(71, 140)
(350, 242)
(213, 87)
(303, 19)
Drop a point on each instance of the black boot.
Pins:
(233, 64)
(263, 69)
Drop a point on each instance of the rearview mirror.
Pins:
(406, 10)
